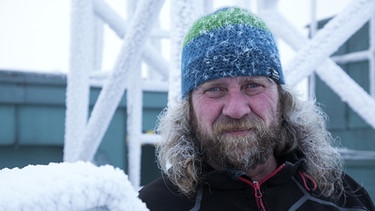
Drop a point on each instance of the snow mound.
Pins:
(67, 186)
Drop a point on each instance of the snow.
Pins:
(67, 186)
(150, 55)
(311, 54)
(351, 154)
(77, 95)
(328, 40)
(182, 14)
(113, 90)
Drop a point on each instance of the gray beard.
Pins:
(237, 152)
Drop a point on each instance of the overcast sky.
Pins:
(35, 33)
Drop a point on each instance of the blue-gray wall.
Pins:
(32, 116)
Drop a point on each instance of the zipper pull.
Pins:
(258, 196)
(258, 192)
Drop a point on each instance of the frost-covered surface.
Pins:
(311, 55)
(81, 63)
(182, 15)
(150, 55)
(67, 186)
(329, 39)
(350, 154)
(112, 92)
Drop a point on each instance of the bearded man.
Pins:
(240, 139)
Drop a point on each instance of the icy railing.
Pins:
(67, 186)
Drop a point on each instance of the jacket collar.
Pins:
(289, 165)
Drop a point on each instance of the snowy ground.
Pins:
(67, 186)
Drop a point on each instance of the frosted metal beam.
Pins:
(81, 57)
(329, 39)
(352, 57)
(183, 13)
(150, 55)
(332, 74)
(372, 55)
(112, 92)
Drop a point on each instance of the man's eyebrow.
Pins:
(255, 79)
(212, 83)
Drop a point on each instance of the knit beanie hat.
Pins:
(230, 42)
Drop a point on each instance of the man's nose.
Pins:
(236, 105)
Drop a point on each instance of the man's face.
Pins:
(236, 120)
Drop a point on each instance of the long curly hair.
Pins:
(303, 128)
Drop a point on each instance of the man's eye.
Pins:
(214, 92)
(254, 88)
(213, 89)
(253, 85)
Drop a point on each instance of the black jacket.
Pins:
(286, 189)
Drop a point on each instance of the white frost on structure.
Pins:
(81, 64)
(112, 92)
(309, 57)
(351, 57)
(183, 13)
(350, 154)
(67, 186)
(150, 55)
(134, 127)
(329, 39)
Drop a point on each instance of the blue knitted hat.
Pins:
(230, 42)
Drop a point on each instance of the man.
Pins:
(240, 139)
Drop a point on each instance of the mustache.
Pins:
(226, 124)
